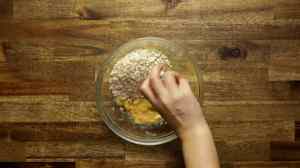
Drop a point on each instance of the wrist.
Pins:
(198, 130)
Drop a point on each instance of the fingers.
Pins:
(177, 77)
(155, 88)
(148, 92)
(184, 84)
(155, 81)
(169, 80)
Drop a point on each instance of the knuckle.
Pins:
(166, 100)
(170, 73)
(167, 75)
(185, 93)
(184, 79)
(143, 87)
(152, 79)
(172, 99)
(178, 98)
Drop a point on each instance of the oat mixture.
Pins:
(125, 79)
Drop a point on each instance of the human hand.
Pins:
(174, 99)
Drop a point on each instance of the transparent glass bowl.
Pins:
(113, 118)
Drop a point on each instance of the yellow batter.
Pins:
(141, 111)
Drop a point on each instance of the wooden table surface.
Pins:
(248, 52)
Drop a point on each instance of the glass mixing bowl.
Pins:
(111, 114)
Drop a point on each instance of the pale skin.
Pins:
(174, 99)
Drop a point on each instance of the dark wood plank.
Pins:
(5, 74)
(113, 163)
(33, 88)
(243, 150)
(252, 131)
(107, 148)
(251, 110)
(51, 160)
(248, 90)
(11, 151)
(51, 62)
(35, 9)
(227, 150)
(52, 110)
(6, 9)
(224, 73)
(285, 150)
(37, 68)
(231, 54)
(150, 164)
(285, 61)
(115, 30)
(297, 130)
(37, 164)
(274, 164)
(170, 152)
(273, 31)
(288, 10)
(100, 163)
(70, 131)
(59, 131)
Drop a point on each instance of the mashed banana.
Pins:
(141, 111)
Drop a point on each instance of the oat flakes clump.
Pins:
(128, 73)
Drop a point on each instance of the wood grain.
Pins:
(51, 63)
(56, 131)
(6, 9)
(100, 163)
(50, 111)
(37, 164)
(276, 164)
(56, 63)
(284, 63)
(128, 28)
(114, 163)
(170, 152)
(228, 11)
(251, 110)
(11, 151)
(246, 52)
(285, 150)
(62, 131)
(244, 150)
(114, 30)
(253, 130)
(227, 150)
(35, 9)
(52, 116)
(109, 148)
(288, 10)
(297, 130)
(248, 90)
(273, 31)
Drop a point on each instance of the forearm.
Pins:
(199, 149)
